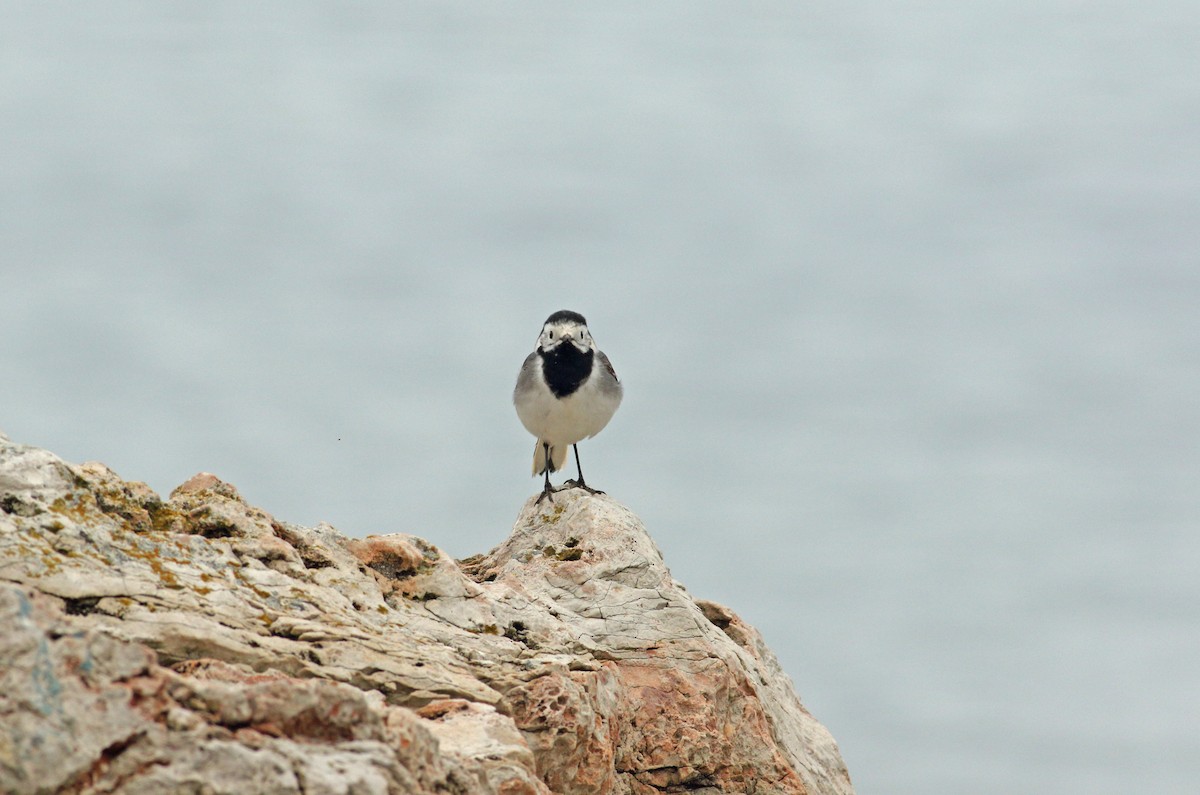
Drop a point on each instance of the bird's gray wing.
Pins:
(527, 378)
(607, 366)
(609, 383)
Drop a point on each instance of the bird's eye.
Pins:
(551, 335)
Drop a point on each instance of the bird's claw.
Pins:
(579, 484)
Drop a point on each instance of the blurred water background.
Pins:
(904, 297)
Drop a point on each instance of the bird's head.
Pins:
(566, 326)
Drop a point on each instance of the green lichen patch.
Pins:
(78, 507)
(554, 514)
(571, 552)
(14, 505)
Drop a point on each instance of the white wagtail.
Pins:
(566, 391)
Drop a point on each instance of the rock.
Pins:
(198, 644)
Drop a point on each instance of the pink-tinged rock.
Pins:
(568, 719)
(695, 701)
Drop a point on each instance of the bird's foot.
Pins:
(546, 494)
(579, 484)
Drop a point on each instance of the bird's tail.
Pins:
(558, 457)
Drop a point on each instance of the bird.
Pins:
(567, 391)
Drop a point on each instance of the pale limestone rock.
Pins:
(63, 701)
(151, 646)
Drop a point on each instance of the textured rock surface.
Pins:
(196, 644)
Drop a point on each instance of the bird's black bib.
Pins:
(565, 368)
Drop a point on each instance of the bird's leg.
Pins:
(578, 482)
(546, 490)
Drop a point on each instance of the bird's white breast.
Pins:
(567, 420)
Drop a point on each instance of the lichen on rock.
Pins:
(199, 644)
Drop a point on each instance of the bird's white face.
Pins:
(560, 331)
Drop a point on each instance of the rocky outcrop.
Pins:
(196, 644)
